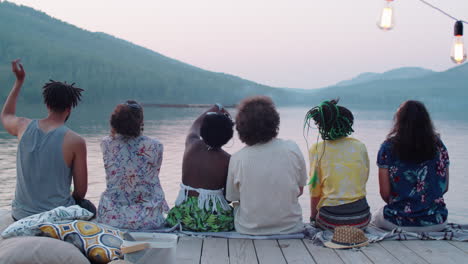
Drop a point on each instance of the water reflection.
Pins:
(170, 125)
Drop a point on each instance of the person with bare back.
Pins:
(201, 205)
(49, 154)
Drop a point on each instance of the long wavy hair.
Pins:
(413, 135)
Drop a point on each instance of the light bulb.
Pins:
(458, 54)
(386, 21)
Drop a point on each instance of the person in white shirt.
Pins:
(266, 177)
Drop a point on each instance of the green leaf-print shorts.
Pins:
(192, 218)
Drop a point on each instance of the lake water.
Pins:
(170, 125)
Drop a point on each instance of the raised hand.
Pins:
(18, 70)
(214, 108)
(15, 125)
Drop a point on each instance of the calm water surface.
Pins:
(170, 125)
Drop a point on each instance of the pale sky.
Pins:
(282, 43)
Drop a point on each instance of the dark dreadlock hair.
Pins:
(333, 121)
(59, 96)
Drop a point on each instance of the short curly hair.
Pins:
(127, 119)
(257, 120)
(216, 130)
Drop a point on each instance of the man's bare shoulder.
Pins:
(73, 139)
(23, 122)
(22, 125)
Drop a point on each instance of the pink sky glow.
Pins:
(283, 43)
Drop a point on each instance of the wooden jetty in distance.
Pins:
(193, 250)
(184, 105)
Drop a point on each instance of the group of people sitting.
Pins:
(254, 191)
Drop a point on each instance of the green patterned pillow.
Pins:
(99, 243)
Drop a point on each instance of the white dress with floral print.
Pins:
(133, 198)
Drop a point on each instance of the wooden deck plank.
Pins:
(322, 255)
(437, 251)
(377, 254)
(189, 250)
(235, 251)
(460, 245)
(295, 251)
(268, 252)
(352, 256)
(215, 251)
(242, 251)
(402, 253)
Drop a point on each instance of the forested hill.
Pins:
(108, 68)
(441, 91)
(112, 69)
(396, 74)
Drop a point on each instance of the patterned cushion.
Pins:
(28, 225)
(99, 243)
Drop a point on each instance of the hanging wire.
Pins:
(442, 11)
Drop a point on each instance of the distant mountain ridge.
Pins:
(395, 74)
(446, 90)
(112, 69)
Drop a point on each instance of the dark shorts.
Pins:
(356, 214)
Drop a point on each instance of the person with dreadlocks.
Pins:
(413, 173)
(339, 169)
(50, 155)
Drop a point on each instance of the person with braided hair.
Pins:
(339, 169)
(49, 155)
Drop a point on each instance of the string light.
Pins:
(387, 21)
(458, 53)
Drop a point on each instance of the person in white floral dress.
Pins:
(134, 198)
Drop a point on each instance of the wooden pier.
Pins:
(243, 251)
(192, 250)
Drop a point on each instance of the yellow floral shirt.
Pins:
(341, 169)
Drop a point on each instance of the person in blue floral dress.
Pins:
(134, 198)
(413, 173)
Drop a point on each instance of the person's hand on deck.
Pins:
(18, 70)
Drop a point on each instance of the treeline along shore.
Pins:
(183, 105)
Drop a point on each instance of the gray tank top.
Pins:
(43, 179)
